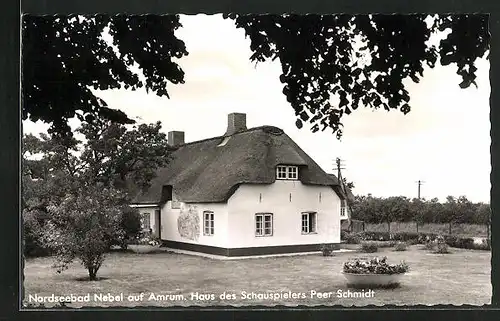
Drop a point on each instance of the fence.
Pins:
(353, 226)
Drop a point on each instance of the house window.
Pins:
(308, 222)
(145, 221)
(208, 222)
(264, 224)
(343, 208)
(287, 172)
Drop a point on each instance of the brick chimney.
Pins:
(236, 122)
(175, 138)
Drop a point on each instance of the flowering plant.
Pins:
(376, 265)
(147, 238)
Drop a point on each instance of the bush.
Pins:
(409, 237)
(460, 242)
(485, 245)
(400, 246)
(383, 244)
(467, 243)
(412, 242)
(351, 238)
(33, 235)
(429, 246)
(327, 249)
(406, 236)
(375, 265)
(441, 248)
(368, 247)
(146, 238)
(377, 236)
(130, 227)
(131, 222)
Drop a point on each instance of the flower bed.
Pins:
(375, 272)
(376, 265)
(145, 243)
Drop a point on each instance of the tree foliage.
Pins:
(348, 184)
(56, 167)
(65, 57)
(401, 209)
(359, 60)
(320, 57)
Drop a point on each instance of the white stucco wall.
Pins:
(170, 223)
(275, 198)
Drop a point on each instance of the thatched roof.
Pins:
(203, 172)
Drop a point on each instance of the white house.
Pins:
(248, 192)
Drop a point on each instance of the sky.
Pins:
(444, 141)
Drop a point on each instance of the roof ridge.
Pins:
(264, 127)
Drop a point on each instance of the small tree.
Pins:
(86, 224)
(483, 216)
(417, 211)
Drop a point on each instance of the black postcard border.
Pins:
(10, 142)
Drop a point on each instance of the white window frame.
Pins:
(261, 229)
(305, 227)
(343, 208)
(145, 217)
(208, 223)
(287, 172)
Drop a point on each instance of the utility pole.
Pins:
(419, 182)
(338, 165)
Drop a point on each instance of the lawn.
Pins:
(462, 277)
(464, 230)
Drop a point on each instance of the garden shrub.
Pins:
(145, 238)
(485, 245)
(377, 236)
(429, 246)
(368, 247)
(460, 242)
(376, 265)
(410, 237)
(131, 222)
(400, 246)
(412, 242)
(352, 238)
(34, 244)
(441, 248)
(405, 236)
(327, 249)
(466, 243)
(382, 244)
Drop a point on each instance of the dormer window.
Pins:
(287, 172)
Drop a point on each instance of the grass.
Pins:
(462, 277)
(464, 230)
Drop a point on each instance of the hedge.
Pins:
(412, 237)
